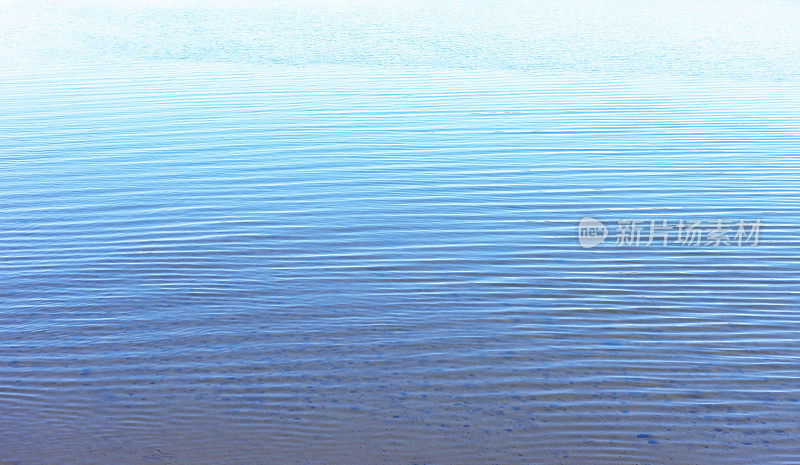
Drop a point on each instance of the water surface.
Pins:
(212, 261)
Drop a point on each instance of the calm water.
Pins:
(279, 250)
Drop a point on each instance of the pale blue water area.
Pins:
(322, 232)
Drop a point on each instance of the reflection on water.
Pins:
(229, 264)
(332, 232)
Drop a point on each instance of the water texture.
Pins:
(233, 257)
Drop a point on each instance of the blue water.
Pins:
(322, 232)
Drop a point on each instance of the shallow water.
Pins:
(209, 262)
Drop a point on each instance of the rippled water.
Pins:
(332, 263)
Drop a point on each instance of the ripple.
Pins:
(227, 263)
